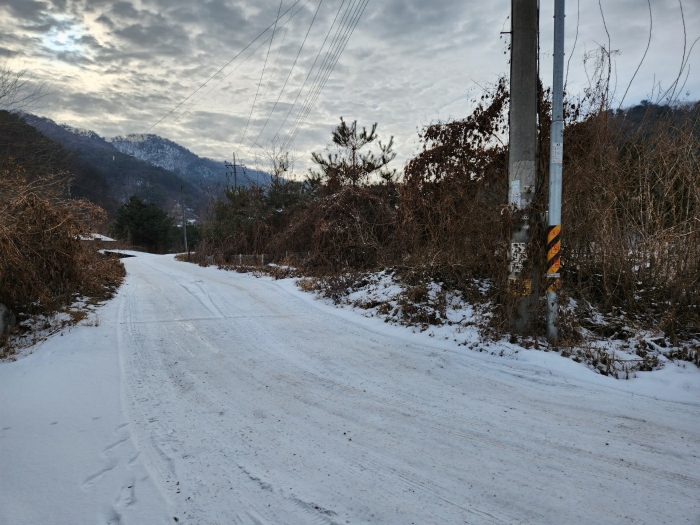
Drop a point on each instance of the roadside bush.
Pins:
(350, 229)
(44, 264)
(631, 209)
(452, 219)
(342, 216)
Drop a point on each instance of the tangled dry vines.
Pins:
(44, 263)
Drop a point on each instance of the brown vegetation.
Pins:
(630, 214)
(44, 263)
(452, 217)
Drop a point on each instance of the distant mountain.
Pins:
(206, 173)
(123, 174)
(22, 144)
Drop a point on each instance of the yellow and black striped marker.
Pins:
(553, 258)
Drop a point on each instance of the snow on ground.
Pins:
(66, 451)
(676, 381)
(96, 237)
(39, 327)
(378, 298)
(217, 397)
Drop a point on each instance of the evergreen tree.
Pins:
(144, 225)
(351, 165)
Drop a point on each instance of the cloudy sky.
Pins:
(120, 67)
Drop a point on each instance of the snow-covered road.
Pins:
(217, 398)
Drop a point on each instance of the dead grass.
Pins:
(44, 264)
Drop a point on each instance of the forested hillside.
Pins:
(123, 174)
(24, 145)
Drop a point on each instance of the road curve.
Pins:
(253, 405)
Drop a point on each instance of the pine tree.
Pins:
(350, 165)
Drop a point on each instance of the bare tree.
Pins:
(18, 88)
(277, 161)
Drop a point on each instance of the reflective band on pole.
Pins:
(553, 257)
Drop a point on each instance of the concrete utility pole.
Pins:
(522, 167)
(234, 171)
(184, 225)
(556, 158)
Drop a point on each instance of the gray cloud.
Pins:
(125, 10)
(119, 67)
(106, 21)
(25, 9)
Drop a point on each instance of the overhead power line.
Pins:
(343, 43)
(240, 64)
(262, 74)
(288, 76)
(274, 66)
(326, 72)
(310, 70)
(341, 29)
(223, 67)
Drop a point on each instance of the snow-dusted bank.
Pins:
(217, 397)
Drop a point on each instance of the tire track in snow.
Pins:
(300, 406)
(143, 361)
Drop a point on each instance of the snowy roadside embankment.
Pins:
(459, 331)
(431, 313)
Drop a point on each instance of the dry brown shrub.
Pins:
(346, 230)
(452, 221)
(306, 284)
(631, 208)
(44, 263)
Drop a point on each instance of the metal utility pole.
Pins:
(522, 168)
(232, 169)
(556, 157)
(184, 225)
